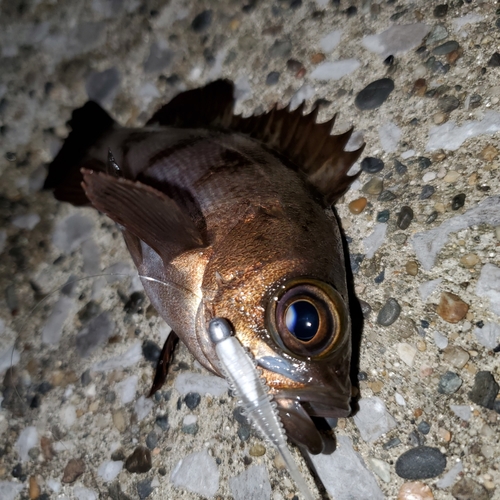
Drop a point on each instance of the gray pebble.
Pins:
(95, 333)
(372, 165)
(400, 238)
(392, 443)
(202, 21)
(281, 49)
(386, 195)
(423, 462)
(144, 488)
(432, 217)
(162, 422)
(458, 201)
(427, 192)
(383, 216)
(192, 400)
(400, 168)
(239, 416)
(494, 61)
(424, 427)
(244, 432)
(389, 313)
(438, 33)
(366, 308)
(468, 489)
(272, 78)
(405, 217)
(374, 94)
(158, 59)
(448, 103)
(190, 429)
(102, 86)
(416, 439)
(485, 390)
(152, 440)
(445, 48)
(424, 162)
(449, 383)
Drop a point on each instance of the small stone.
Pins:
(462, 411)
(296, 68)
(73, 470)
(458, 201)
(415, 490)
(444, 434)
(389, 313)
(257, 450)
(386, 195)
(381, 468)
(468, 489)
(440, 10)
(151, 351)
(152, 440)
(455, 356)
(372, 165)
(192, 400)
(419, 87)
(400, 238)
(424, 427)
(451, 176)
(374, 94)
(449, 383)
(432, 217)
(162, 422)
(489, 153)
(427, 192)
(438, 33)
(358, 205)
(281, 49)
(424, 162)
(411, 267)
(374, 186)
(422, 462)
(244, 432)
(451, 307)
(135, 303)
(494, 61)
(469, 260)
(272, 78)
(407, 353)
(445, 48)
(392, 443)
(144, 488)
(383, 216)
(400, 168)
(439, 118)
(119, 420)
(202, 21)
(317, 58)
(485, 390)
(34, 488)
(405, 217)
(139, 461)
(448, 103)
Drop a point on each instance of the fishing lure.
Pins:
(246, 381)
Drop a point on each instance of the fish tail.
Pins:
(88, 125)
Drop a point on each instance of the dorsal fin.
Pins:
(307, 144)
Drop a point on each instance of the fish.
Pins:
(230, 217)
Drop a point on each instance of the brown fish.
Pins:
(226, 216)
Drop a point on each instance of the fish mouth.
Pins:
(297, 407)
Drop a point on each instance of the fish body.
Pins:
(225, 217)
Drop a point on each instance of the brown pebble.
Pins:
(420, 87)
(376, 386)
(411, 268)
(34, 489)
(358, 205)
(418, 412)
(455, 356)
(317, 58)
(46, 446)
(139, 461)
(469, 260)
(415, 490)
(438, 156)
(257, 450)
(467, 489)
(73, 470)
(444, 434)
(451, 307)
(489, 153)
(439, 118)
(452, 56)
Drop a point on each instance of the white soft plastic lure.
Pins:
(244, 378)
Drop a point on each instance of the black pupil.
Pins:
(302, 320)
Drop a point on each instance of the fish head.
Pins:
(288, 305)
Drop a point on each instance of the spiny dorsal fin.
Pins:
(307, 144)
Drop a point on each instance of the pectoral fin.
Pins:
(147, 213)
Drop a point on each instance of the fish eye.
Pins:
(307, 318)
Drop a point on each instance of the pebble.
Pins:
(448, 103)
(372, 165)
(281, 49)
(405, 217)
(450, 477)
(34, 488)
(439, 118)
(451, 176)
(139, 461)
(462, 411)
(152, 440)
(488, 335)
(469, 260)
(373, 420)
(192, 400)
(458, 201)
(468, 489)
(427, 192)
(202, 21)
(190, 425)
(374, 94)
(407, 353)
(440, 340)
(400, 168)
(449, 383)
(257, 450)
(429, 176)
(455, 356)
(134, 303)
(440, 10)
(422, 462)
(159, 59)
(162, 422)
(411, 267)
(445, 48)
(374, 186)
(485, 390)
(272, 78)
(489, 153)
(197, 472)
(451, 307)
(392, 443)
(438, 33)
(381, 468)
(494, 61)
(145, 488)
(383, 216)
(415, 491)
(389, 313)
(244, 432)
(386, 195)
(151, 351)
(73, 470)
(358, 205)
